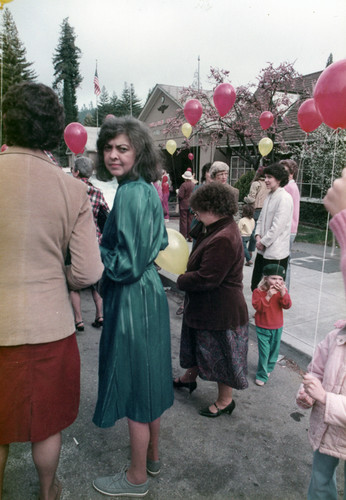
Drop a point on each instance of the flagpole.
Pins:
(97, 111)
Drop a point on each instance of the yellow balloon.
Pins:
(174, 257)
(265, 145)
(4, 1)
(186, 130)
(171, 146)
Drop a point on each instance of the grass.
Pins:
(309, 234)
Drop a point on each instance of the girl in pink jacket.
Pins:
(324, 386)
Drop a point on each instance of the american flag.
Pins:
(97, 89)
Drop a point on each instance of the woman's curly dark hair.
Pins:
(33, 116)
(278, 171)
(216, 198)
(147, 162)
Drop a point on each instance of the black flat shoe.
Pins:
(189, 385)
(205, 412)
(80, 326)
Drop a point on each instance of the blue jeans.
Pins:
(245, 240)
(323, 478)
(252, 244)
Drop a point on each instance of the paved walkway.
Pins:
(260, 452)
(318, 298)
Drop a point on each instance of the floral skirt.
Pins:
(220, 355)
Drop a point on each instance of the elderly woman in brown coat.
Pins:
(214, 339)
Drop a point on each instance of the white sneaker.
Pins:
(259, 382)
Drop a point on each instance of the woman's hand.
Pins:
(313, 388)
(335, 200)
(259, 245)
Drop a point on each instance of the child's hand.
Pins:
(280, 287)
(272, 291)
(304, 400)
(313, 388)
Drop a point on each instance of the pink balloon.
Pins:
(330, 95)
(4, 147)
(224, 98)
(266, 119)
(309, 118)
(190, 156)
(193, 111)
(75, 137)
(109, 116)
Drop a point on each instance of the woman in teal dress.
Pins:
(135, 377)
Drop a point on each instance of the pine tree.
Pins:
(329, 60)
(15, 66)
(128, 104)
(66, 71)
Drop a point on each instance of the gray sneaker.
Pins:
(118, 486)
(153, 467)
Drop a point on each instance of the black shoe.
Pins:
(189, 385)
(205, 412)
(98, 323)
(79, 326)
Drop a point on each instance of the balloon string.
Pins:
(323, 263)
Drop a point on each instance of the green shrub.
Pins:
(313, 214)
(244, 183)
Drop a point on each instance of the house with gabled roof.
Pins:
(165, 101)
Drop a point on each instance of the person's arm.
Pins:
(86, 266)
(259, 300)
(335, 200)
(211, 272)
(126, 261)
(251, 197)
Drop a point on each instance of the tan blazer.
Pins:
(43, 211)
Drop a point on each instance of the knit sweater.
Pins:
(269, 313)
(293, 190)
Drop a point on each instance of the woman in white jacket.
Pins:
(273, 228)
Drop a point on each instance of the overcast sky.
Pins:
(146, 42)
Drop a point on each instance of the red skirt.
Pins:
(39, 389)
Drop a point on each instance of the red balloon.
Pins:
(309, 118)
(193, 111)
(224, 98)
(330, 95)
(266, 119)
(190, 156)
(4, 147)
(75, 137)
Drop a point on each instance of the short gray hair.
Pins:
(84, 165)
(218, 166)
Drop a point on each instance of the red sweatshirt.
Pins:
(269, 314)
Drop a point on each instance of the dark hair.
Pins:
(147, 159)
(278, 171)
(33, 116)
(205, 169)
(292, 167)
(216, 198)
(248, 211)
